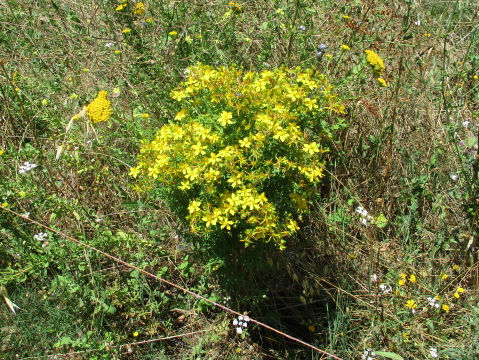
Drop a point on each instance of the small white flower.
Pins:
(364, 221)
(368, 355)
(41, 236)
(385, 288)
(374, 278)
(302, 28)
(454, 177)
(240, 318)
(433, 352)
(246, 318)
(466, 123)
(417, 23)
(27, 214)
(235, 322)
(239, 330)
(109, 45)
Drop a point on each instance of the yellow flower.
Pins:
(126, 30)
(117, 51)
(194, 207)
(460, 290)
(173, 33)
(121, 7)
(236, 7)
(456, 295)
(382, 82)
(413, 279)
(445, 307)
(145, 115)
(134, 172)
(185, 185)
(85, 70)
(345, 47)
(427, 35)
(402, 282)
(2, 152)
(311, 148)
(375, 61)
(181, 114)
(311, 328)
(456, 267)
(411, 304)
(139, 8)
(444, 276)
(44, 102)
(225, 118)
(135, 334)
(4, 204)
(99, 109)
(149, 20)
(346, 17)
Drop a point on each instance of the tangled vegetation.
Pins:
(312, 165)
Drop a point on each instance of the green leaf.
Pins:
(381, 221)
(389, 355)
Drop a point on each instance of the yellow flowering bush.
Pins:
(244, 153)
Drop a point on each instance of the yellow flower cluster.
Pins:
(239, 137)
(100, 108)
(139, 8)
(375, 61)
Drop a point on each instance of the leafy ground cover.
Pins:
(369, 170)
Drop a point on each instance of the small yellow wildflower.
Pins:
(225, 118)
(135, 334)
(117, 51)
(411, 304)
(382, 82)
(236, 7)
(173, 33)
(139, 8)
(149, 20)
(121, 7)
(194, 207)
(475, 77)
(145, 115)
(4, 204)
(345, 47)
(456, 267)
(185, 185)
(401, 282)
(427, 35)
(346, 17)
(444, 276)
(134, 172)
(99, 109)
(445, 307)
(413, 279)
(85, 70)
(456, 295)
(44, 102)
(126, 30)
(311, 148)
(188, 39)
(375, 61)
(460, 290)
(311, 328)
(2, 152)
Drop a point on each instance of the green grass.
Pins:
(398, 157)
